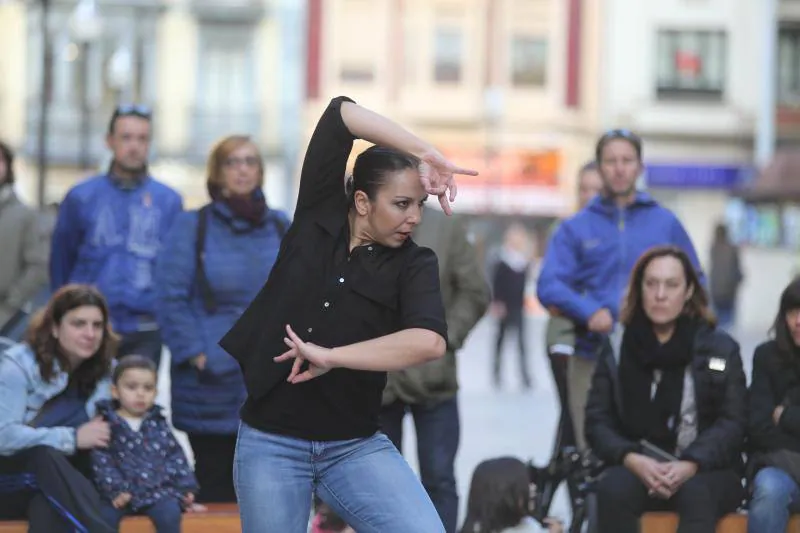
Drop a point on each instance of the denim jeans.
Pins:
(365, 481)
(437, 426)
(165, 515)
(774, 492)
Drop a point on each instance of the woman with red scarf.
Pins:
(210, 268)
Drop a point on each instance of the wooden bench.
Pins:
(220, 518)
(733, 523)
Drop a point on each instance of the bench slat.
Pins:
(733, 523)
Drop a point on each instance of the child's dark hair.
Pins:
(498, 496)
(330, 520)
(372, 169)
(129, 362)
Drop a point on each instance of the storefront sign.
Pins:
(695, 176)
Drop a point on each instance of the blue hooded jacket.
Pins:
(109, 235)
(592, 254)
(237, 261)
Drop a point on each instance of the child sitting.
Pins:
(143, 470)
(500, 499)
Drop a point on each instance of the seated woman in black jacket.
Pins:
(666, 409)
(774, 420)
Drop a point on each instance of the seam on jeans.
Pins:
(346, 508)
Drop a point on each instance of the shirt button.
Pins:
(326, 304)
(369, 248)
(341, 280)
(310, 330)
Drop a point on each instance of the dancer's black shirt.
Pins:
(330, 297)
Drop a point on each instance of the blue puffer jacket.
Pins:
(107, 235)
(238, 260)
(590, 258)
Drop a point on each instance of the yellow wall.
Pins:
(12, 73)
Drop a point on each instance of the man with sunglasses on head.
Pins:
(591, 255)
(109, 230)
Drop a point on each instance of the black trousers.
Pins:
(622, 498)
(213, 466)
(513, 320)
(58, 481)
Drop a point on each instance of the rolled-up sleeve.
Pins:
(420, 294)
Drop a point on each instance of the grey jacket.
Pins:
(466, 296)
(23, 393)
(23, 261)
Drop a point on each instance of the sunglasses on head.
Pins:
(621, 134)
(133, 110)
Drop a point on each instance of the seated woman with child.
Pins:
(48, 390)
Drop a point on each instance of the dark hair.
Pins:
(721, 233)
(696, 307)
(790, 300)
(47, 349)
(498, 496)
(8, 154)
(131, 362)
(612, 135)
(329, 520)
(129, 110)
(373, 167)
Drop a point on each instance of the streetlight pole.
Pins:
(44, 102)
(86, 27)
(765, 132)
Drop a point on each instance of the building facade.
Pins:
(488, 80)
(206, 68)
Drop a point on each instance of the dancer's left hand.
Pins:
(319, 358)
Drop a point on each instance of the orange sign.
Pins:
(509, 167)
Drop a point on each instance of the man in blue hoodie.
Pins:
(590, 257)
(109, 230)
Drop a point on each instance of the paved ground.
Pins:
(507, 422)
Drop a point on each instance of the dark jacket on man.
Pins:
(720, 396)
(466, 296)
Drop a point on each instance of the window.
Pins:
(448, 53)
(357, 63)
(789, 66)
(226, 84)
(691, 64)
(528, 61)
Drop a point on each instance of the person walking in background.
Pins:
(110, 228)
(591, 255)
(143, 470)
(725, 276)
(509, 281)
(429, 391)
(210, 268)
(23, 262)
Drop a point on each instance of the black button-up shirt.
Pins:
(332, 297)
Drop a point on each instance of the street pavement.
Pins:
(510, 421)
